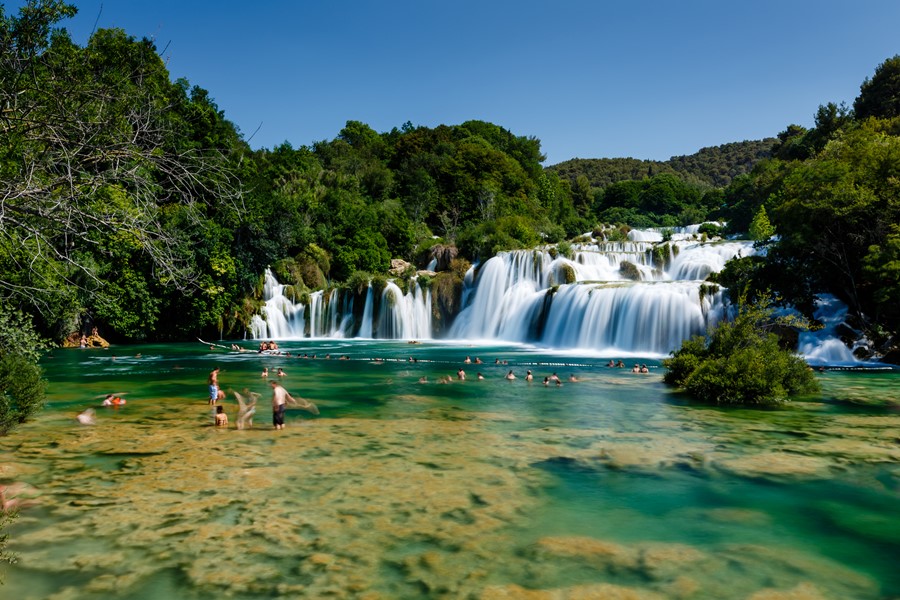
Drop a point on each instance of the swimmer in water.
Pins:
(221, 417)
(112, 400)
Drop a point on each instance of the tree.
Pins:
(93, 150)
(882, 265)
(582, 195)
(741, 362)
(879, 96)
(832, 209)
(761, 229)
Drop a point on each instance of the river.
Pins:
(611, 486)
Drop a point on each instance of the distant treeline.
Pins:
(715, 166)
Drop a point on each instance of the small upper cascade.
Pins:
(696, 261)
(823, 346)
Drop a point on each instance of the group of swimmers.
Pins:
(247, 408)
(510, 376)
(280, 372)
(621, 365)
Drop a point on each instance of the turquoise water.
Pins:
(473, 489)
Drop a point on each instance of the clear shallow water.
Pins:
(476, 489)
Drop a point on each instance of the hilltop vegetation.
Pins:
(713, 167)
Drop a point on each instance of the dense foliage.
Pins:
(831, 196)
(740, 363)
(22, 389)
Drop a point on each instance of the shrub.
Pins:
(6, 519)
(711, 229)
(629, 271)
(22, 390)
(741, 362)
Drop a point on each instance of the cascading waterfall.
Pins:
(404, 316)
(640, 296)
(650, 307)
(282, 316)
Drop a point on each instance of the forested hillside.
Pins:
(714, 166)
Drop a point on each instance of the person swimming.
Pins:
(112, 400)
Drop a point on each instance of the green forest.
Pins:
(131, 204)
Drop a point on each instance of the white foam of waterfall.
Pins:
(511, 298)
(404, 316)
(696, 261)
(649, 318)
(366, 326)
(283, 318)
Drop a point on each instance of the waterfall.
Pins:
(648, 308)
(404, 316)
(641, 295)
(390, 315)
(824, 347)
(366, 327)
(282, 317)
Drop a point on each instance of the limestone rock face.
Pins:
(93, 341)
(443, 255)
(398, 266)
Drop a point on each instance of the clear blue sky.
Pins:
(589, 78)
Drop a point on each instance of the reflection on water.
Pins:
(602, 488)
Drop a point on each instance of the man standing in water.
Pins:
(280, 398)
